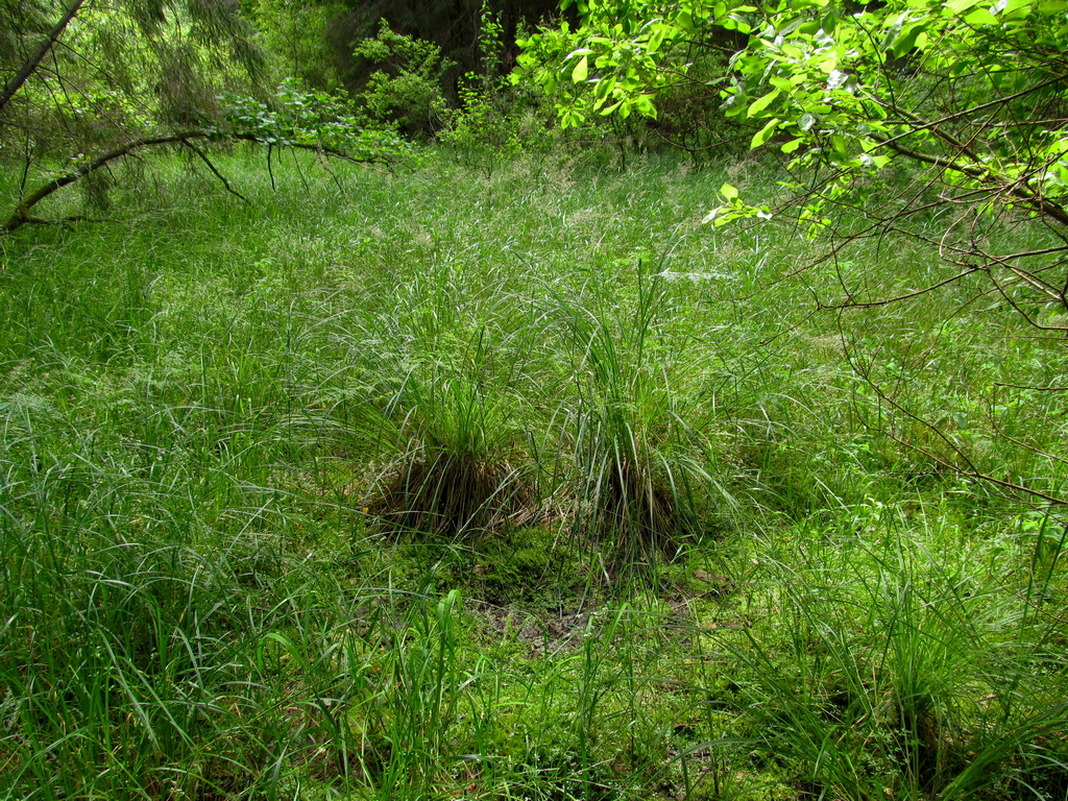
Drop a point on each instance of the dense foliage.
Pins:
(86, 86)
(84, 73)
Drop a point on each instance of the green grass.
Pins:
(529, 486)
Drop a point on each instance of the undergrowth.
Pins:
(440, 485)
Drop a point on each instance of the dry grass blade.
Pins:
(452, 494)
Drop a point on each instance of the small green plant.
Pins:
(496, 121)
(480, 131)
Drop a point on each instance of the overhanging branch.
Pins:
(22, 212)
(34, 61)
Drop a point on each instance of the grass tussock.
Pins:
(638, 462)
(460, 469)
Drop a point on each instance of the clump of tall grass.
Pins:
(913, 678)
(459, 469)
(642, 465)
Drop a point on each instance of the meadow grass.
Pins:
(512, 484)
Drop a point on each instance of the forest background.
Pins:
(646, 399)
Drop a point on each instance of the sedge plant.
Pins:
(641, 465)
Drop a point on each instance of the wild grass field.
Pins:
(449, 483)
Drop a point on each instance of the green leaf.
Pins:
(728, 191)
(981, 16)
(581, 70)
(644, 105)
(762, 103)
(570, 118)
(765, 133)
(906, 40)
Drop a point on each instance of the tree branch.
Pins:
(214, 171)
(21, 213)
(1016, 189)
(34, 61)
(856, 304)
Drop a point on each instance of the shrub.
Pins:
(406, 88)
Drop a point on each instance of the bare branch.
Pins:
(211, 167)
(995, 103)
(854, 304)
(969, 471)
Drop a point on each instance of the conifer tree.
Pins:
(86, 83)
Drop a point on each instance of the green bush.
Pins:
(406, 88)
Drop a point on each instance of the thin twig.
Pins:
(214, 171)
(970, 470)
(871, 304)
